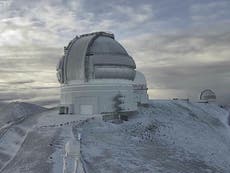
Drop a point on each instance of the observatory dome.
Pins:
(95, 56)
(94, 70)
(140, 80)
(207, 95)
(140, 88)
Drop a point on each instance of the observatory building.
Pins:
(140, 88)
(208, 95)
(97, 76)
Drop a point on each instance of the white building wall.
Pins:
(141, 96)
(99, 96)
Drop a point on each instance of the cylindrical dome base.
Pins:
(97, 98)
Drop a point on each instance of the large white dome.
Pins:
(95, 56)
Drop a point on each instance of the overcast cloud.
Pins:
(182, 47)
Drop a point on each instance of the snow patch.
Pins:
(169, 136)
(18, 110)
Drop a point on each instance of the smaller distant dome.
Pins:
(139, 78)
(207, 95)
(139, 81)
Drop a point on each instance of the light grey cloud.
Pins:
(21, 82)
(181, 46)
(185, 61)
(206, 13)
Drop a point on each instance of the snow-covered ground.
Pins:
(168, 136)
(35, 143)
(14, 128)
(17, 110)
(227, 107)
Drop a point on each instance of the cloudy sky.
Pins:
(182, 47)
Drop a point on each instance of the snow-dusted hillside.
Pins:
(13, 129)
(17, 110)
(167, 136)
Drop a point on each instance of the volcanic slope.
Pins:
(168, 136)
